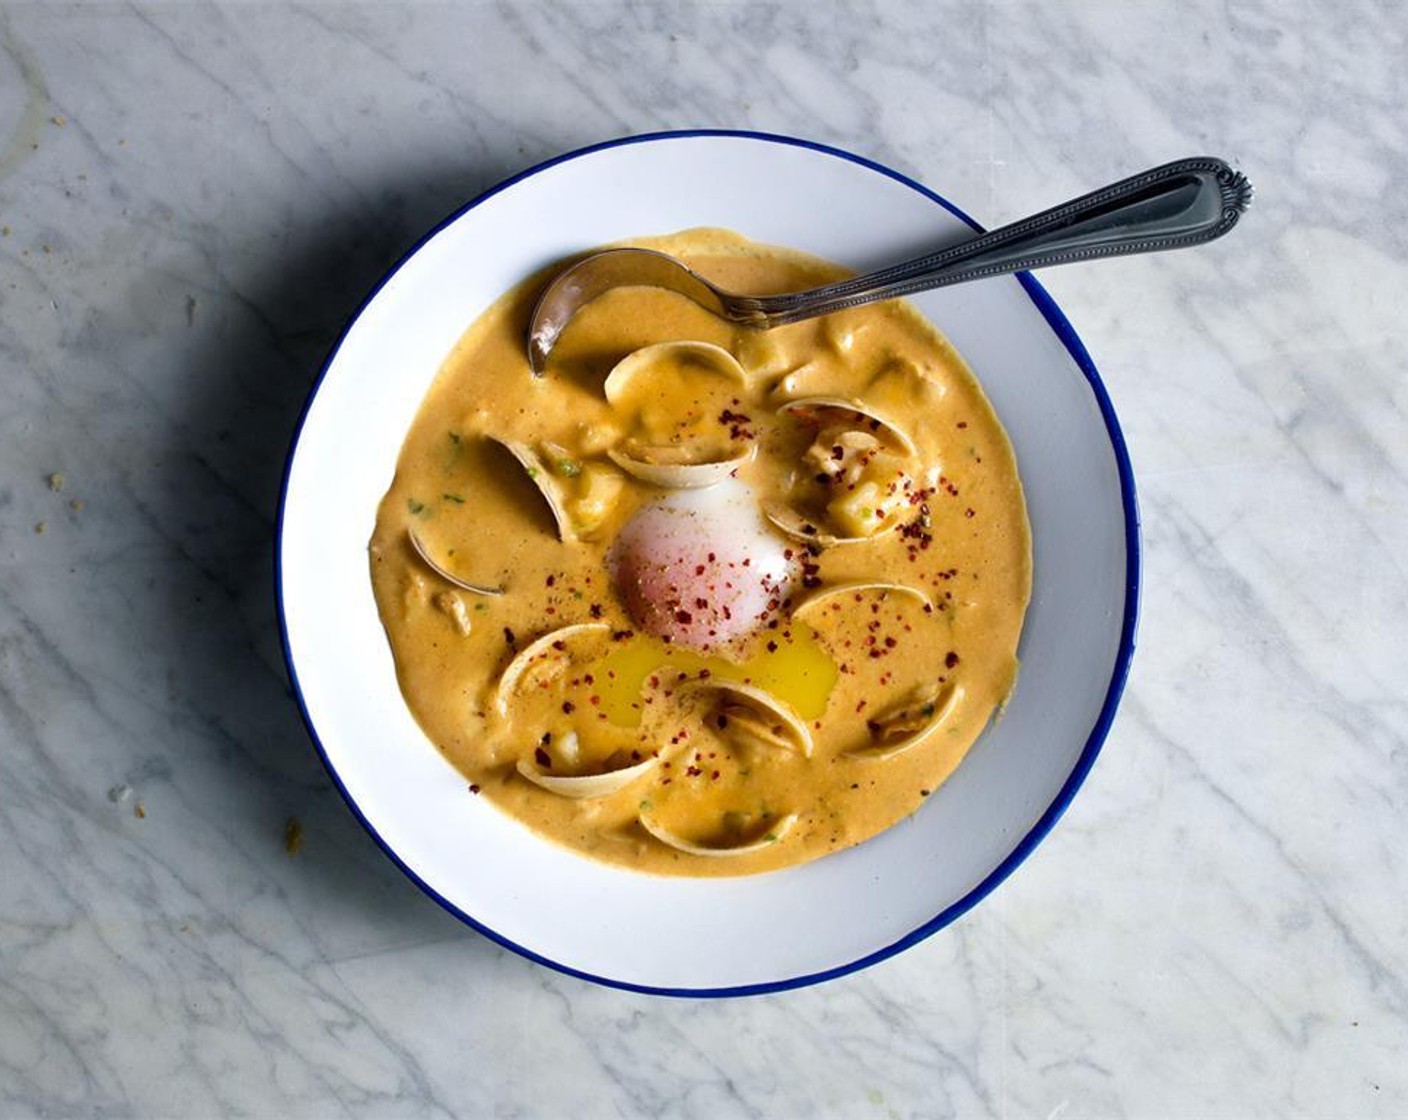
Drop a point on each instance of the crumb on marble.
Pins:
(41, 527)
(4, 231)
(119, 793)
(293, 836)
(139, 811)
(59, 120)
(77, 505)
(56, 481)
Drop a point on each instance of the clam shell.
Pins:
(448, 577)
(875, 421)
(803, 529)
(540, 648)
(681, 476)
(668, 838)
(673, 466)
(910, 734)
(639, 363)
(581, 786)
(542, 478)
(780, 726)
(824, 594)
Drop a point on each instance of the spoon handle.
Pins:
(1169, 207)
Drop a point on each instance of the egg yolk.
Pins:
(791, 664)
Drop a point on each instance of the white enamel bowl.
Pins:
(722, 936)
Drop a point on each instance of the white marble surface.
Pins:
(194, 199)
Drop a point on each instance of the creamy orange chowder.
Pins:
(705, 600)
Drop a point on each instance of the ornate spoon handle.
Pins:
(1170, 207)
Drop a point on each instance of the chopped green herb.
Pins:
(459, 501)
(771, 838)
(417, 508)
(646, 805)
(532, 472)
(568, 468)
(481, 606)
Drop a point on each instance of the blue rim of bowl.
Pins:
(1120, 673)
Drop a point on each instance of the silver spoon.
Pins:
(1169, 207)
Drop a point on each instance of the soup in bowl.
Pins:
(523, 535)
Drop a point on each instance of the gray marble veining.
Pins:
(194, 198)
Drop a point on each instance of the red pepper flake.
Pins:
(950, 659)
(551, 580)
(510, 639)
(684, 618)
(963, 423)
(544, 759)
(559, 645)
(772, 647)
(715, 775)
(568, 707)
(474, 789)
(595, 701)
(969, 512)
(595, 610)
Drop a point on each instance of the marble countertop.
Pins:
(193, 199)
